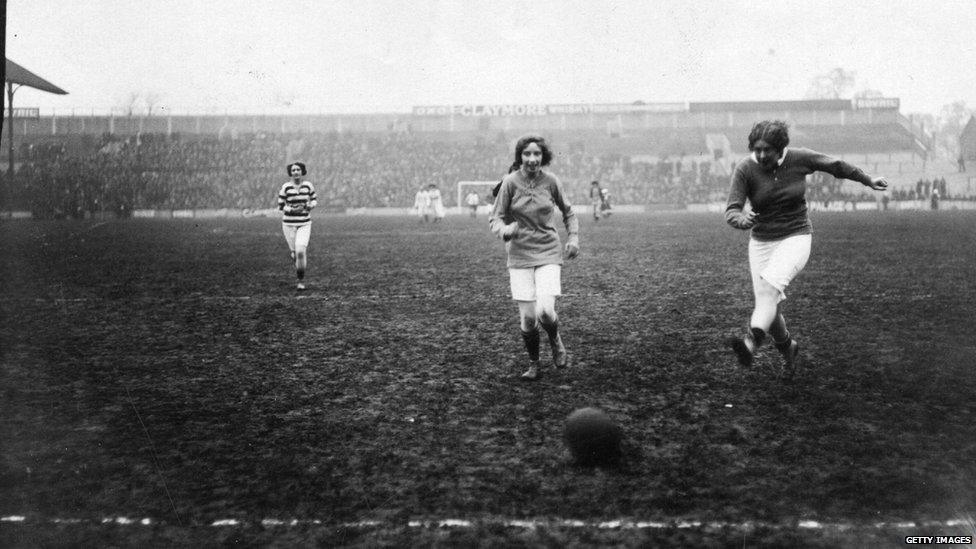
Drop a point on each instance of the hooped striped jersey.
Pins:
(296, 200)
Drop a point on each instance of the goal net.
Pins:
(481, 188)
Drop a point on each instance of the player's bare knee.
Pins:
(546, 310)
(767, 292)
(548, 317)
(528, 321)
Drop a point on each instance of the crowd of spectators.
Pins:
(154, 171)
(925, 188)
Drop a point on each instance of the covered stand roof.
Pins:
(15, 74)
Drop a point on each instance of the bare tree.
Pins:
(868, 94)
(949, 124)
(136, 102)
(945, 127)
(832, 85)
(955, 115)
(128, 104)
(151, 99)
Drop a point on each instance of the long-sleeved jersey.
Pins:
(300, 197)
(533, 204)
(779, 196)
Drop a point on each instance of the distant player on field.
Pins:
(600, 199)
(423, 205)
(773, 180)
(296, 198)
(472, 201)
(436, 202)
(524, 217)
(605, 208)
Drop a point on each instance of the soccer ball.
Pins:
(592, 437)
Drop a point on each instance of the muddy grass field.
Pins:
(162, 383)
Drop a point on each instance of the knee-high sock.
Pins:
(758, 336)
(552, 330)
(300, 264)
(531, 340)
(778, 330)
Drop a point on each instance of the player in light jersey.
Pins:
(472, 200)
(436, 202)
(606, 209)
(423, 205)
(296, 198)
(524, 215)
(773, 180)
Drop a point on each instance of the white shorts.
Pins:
(535, 281)
(297, 235)
(778, 261)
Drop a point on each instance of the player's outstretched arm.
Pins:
(878, 183)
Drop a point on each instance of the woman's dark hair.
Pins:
(498, 186)
(538, 140)
(774, 132)
(299, 164)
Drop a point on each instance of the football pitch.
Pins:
(162, 383)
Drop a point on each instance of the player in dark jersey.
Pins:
(524, 215)
(773, 181)
(600, 199)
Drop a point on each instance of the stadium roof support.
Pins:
(14, 74)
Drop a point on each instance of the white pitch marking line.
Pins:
(652, 525)
(527, 524)
(455, 523)
(619, 524)
(198, 298)
(13, 518)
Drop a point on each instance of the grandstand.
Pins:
(649, 154)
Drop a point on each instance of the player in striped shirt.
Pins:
(296, 198)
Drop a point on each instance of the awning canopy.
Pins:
(19, 75)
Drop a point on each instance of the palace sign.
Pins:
(23, 112)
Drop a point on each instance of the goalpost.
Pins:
(483, 188)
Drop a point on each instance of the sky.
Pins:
(366, 56)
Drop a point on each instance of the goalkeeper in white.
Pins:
(296, 198)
